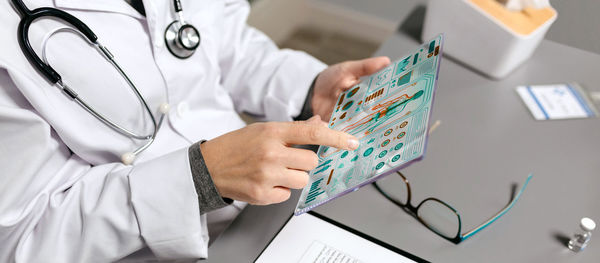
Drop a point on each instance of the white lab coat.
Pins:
(64, 195)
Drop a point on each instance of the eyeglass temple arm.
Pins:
(499, 214)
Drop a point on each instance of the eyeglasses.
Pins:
(436, 214)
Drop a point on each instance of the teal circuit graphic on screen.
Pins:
(389, 114)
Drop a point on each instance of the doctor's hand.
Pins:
(340, 77)
(257, 164)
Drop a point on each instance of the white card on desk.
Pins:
(559, 101)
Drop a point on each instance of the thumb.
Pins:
(366, 66)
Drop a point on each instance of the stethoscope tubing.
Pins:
(27, 18)
(74, 96)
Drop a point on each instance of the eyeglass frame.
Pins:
(412, 210)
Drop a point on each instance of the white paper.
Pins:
(307, 238)
(319, 252)
(560, 101)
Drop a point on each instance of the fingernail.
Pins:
(352, 143)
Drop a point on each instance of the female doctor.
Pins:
(102, 150)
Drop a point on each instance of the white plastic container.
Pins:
(479, 40)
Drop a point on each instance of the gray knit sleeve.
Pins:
(209, 198)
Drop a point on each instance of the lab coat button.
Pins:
(182, 109)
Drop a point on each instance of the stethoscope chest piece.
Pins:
(182, 39)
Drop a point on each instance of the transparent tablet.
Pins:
(389, 113)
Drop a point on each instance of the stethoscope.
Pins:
(181, 39)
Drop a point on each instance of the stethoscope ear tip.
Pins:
(164, 108)
(128, 158)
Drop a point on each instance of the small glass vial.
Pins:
(581, 238)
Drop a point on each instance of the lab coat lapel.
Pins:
(113, 6)
(158, 16)
(156, 12)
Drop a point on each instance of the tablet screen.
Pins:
(389, 113)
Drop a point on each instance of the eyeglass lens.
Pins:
(395, 188)
(439, 218)
(435, 215)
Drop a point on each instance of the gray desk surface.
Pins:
(487, 141)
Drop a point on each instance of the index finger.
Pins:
(317, 134)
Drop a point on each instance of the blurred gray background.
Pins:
(337, 30)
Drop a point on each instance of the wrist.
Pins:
(212, 160)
